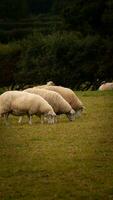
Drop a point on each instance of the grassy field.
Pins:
(65, 161)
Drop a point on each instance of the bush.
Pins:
(68, 59)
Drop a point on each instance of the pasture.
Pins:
(65, 161)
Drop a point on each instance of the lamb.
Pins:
(106, 86)
(68, 95)
(22, 103)
(58, 103)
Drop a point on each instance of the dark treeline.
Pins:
(86, 17)
(17, 9)
(89, 17)
(69, 42)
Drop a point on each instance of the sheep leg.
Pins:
(6, 118)
(20, 120)
(30, 121)
(42, 119)
(55, 120)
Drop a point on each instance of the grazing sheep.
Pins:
(22, 103)
(58, 103)
(68, 95)
(106, 86)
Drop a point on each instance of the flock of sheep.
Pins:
(45, 101)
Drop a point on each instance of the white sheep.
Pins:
(22, 103)
(58, 103)
(68, 95)
(106, 86)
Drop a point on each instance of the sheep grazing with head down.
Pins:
(106, 86)
(22, 103)
(68, 95)
(58, 103)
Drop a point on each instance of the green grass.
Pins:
(65, 161)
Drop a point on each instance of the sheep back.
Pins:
(68, 95)
(106, 86)
(58, 103)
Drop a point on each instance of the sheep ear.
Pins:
(72, 111)
(49, 113)
(84, 107)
